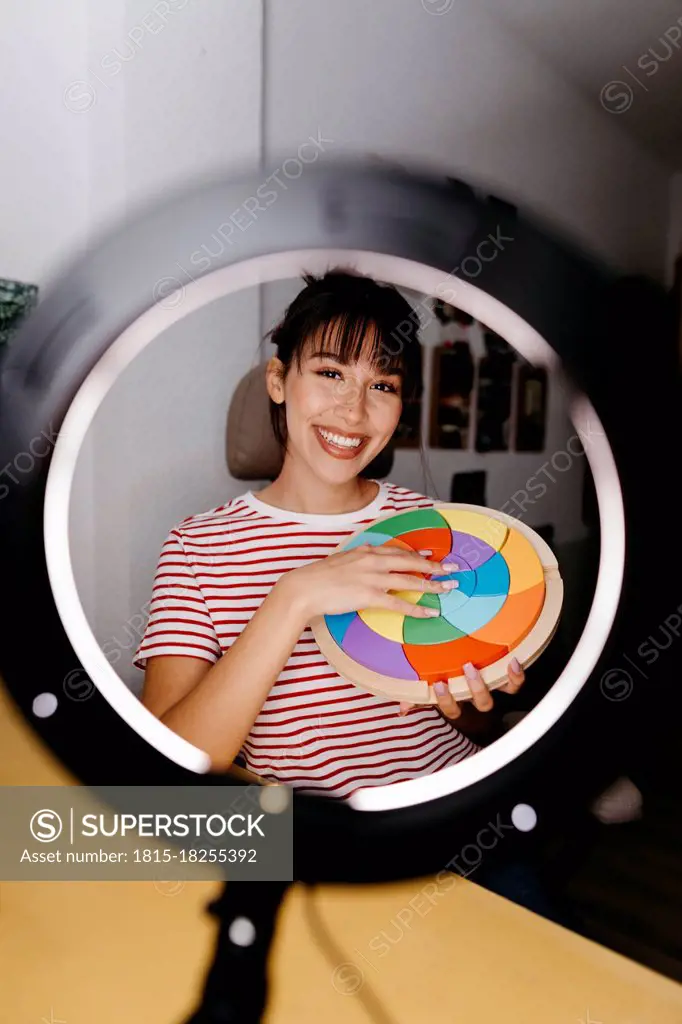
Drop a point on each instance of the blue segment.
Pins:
(451, 601)
(492, 577)
(477, 612)
(466, 580)
(338, 624)
(375, 539)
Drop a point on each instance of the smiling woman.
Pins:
(230, 661)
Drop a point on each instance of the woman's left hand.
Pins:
(481, 697)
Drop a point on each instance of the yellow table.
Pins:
(113, 952)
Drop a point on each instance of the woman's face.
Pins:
(339, 417)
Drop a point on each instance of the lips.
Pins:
(341, 451)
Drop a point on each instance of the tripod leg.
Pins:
(235, 989)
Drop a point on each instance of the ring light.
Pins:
(408, 230)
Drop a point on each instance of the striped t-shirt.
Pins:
(316, 730)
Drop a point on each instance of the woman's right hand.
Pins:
(348, 581)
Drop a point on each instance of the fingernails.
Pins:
(432, 612)
(516, 667)
(440, 688)
(469, 670)
(450, 584)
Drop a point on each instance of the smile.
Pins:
(344, 445)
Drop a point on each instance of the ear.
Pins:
(274, 379)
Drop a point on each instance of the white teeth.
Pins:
(339, 439)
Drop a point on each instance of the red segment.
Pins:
(433, 538)
(435, 662)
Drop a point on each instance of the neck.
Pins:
(297, 489)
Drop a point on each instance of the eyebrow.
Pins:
(394, 371)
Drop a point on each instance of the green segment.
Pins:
(403, 522)
(429, 631)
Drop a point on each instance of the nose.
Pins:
(349, 398)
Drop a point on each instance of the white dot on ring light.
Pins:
(524, 818)
(44, 705)
(242, 931)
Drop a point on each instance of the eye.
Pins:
(330, 373)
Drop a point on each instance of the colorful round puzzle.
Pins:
(507, 604)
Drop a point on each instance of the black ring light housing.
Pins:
(423, 223)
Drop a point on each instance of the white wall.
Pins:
(155, 454)
(111, 103)
(44, 171)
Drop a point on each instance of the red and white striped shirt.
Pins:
(316, 731)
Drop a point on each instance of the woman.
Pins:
(230, 662)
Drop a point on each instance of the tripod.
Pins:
(235, 988)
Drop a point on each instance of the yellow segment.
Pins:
(412, 596)
(523, 561)
(384, 622)
(486, 528)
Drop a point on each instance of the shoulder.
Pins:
(399, 497)
(217, 521)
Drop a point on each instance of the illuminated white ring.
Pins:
(403, 273)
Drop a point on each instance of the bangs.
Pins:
(350, 337)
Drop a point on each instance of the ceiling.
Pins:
(617, 54)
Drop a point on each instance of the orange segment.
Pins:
(434, 662)
(516, 618)
(523, 561)
(396, 542)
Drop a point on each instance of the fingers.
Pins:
(446, 702)
(397, 559)
(480, 694)
(401, 581)
(516, 675)
(482, 699)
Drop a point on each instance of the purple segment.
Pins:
(461, 563)
(469, 549)
(375, 652)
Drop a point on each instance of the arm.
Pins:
(215, 706)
